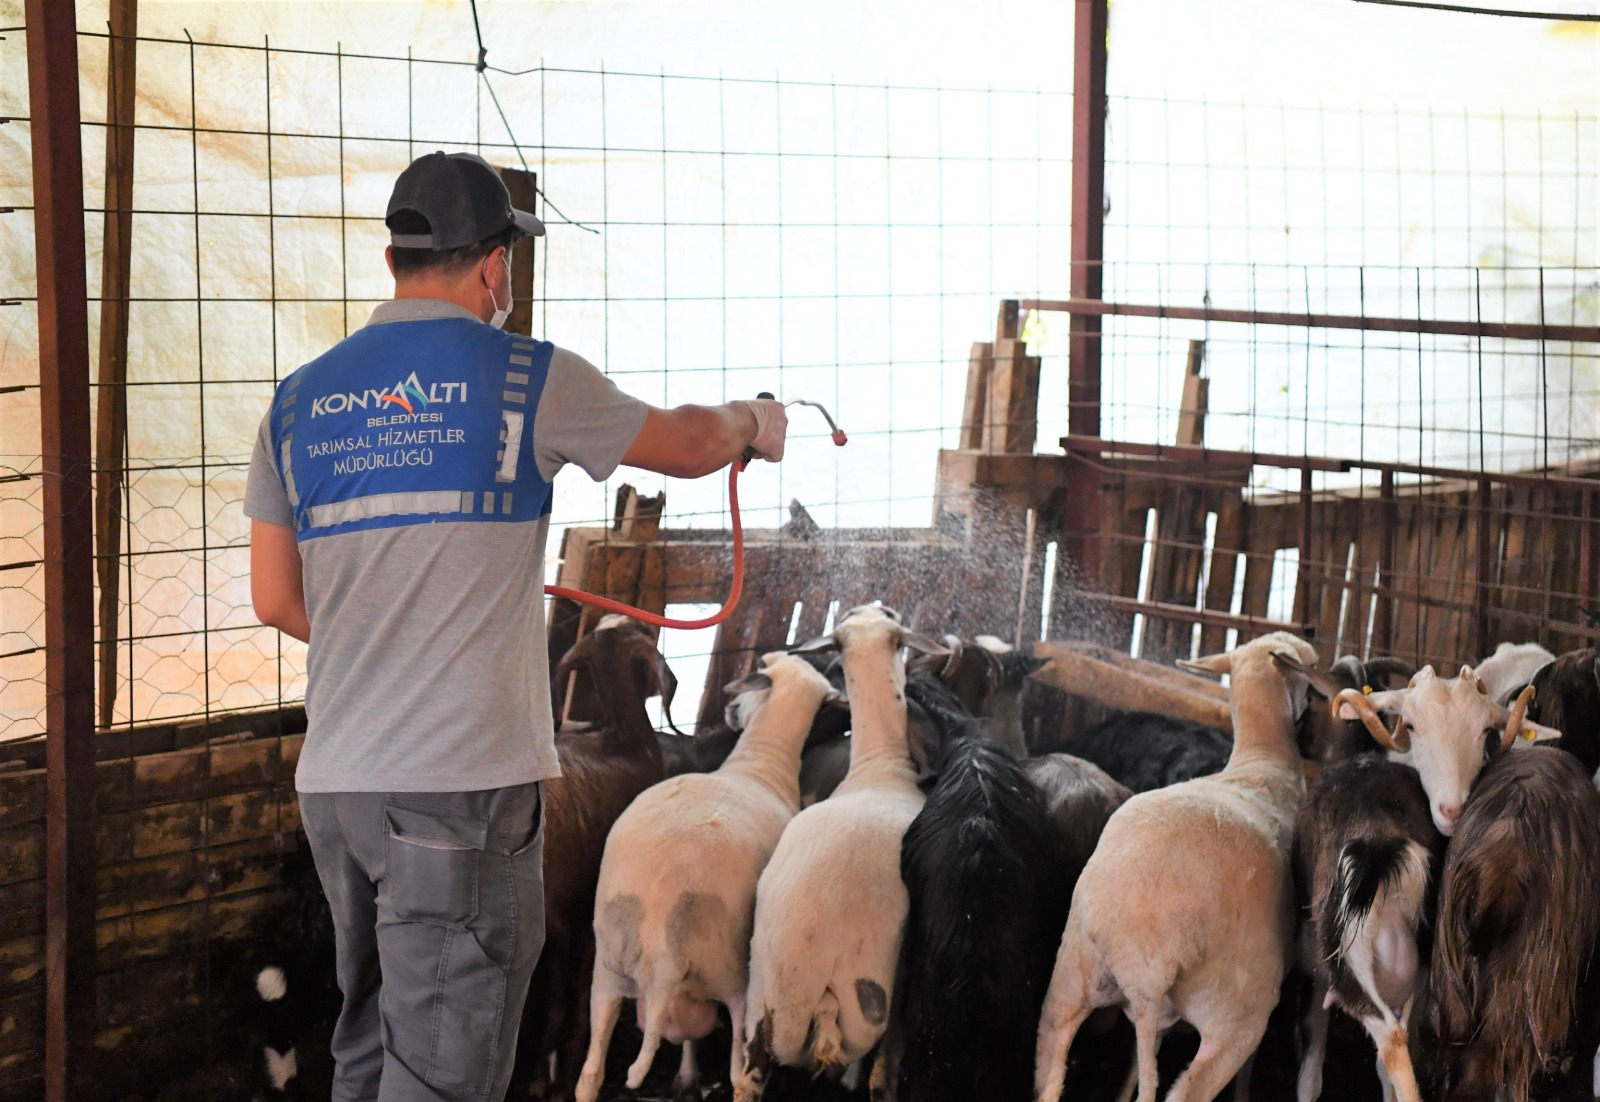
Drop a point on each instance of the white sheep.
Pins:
(831, 907)
(678, 882)
(1185, 910)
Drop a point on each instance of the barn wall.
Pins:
(194, 821)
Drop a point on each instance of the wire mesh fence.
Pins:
(714, 237)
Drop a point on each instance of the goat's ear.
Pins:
(919, 644)
(1211, 663)
(822, 644)
(834, 696)
(753, 683)
(1533, 733)
(1322, 683)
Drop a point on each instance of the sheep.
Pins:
(1567, 698)
(1517, 930)
(830, 905)
(1510, 668)
(603, 767)
(1185, 911)
(1364, 853)
(988, 898)
(677, 886)
(1447, 728)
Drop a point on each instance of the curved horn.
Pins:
(1389, 740)
(1379, 668)
(1519, 709)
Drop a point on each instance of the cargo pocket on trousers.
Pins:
(432, 857)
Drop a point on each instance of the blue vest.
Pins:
(413, 422)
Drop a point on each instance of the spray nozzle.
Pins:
(839, 438)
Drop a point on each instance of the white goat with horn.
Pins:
(1448, 729)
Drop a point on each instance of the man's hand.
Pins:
(772, 428)
(277, 588)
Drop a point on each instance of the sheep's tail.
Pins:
(827, 1042)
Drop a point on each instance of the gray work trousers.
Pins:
(438, 913)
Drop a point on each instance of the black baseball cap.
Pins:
(461, 197)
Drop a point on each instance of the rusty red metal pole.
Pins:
(68, 466)
(1088, 211)
(1084, 508)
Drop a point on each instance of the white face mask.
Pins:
(502, 313)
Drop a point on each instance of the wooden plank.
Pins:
(1224, 568)
(1196, 398)
(111, 396)
(524, 188)
(974, 408)
(1013, 402)
(638, 518)
(1388, 525)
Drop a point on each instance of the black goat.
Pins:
(988, 904)
(296, 985)
(1079, 797)
(1364, 853)
(1146, 751)
(1325, 738)
(1566, 696)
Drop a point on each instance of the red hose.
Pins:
(640, 614)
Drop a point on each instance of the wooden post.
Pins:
(1383, 620)
(67, 468)
(1484, 569)
(1302, 574)
(524, 189)
(1196, 395)
(112, 398)
(975, 409)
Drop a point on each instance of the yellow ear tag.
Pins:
(1366, 690)
(1529, 733)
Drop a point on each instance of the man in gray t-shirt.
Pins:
(399, 496)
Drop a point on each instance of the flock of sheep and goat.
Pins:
(895, 867)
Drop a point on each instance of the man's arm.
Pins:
(691, 441)
(277, 588)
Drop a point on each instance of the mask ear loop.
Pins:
(511, 298)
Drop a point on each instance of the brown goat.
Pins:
(1517, 927)
(1325, 738)
(603, 768)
